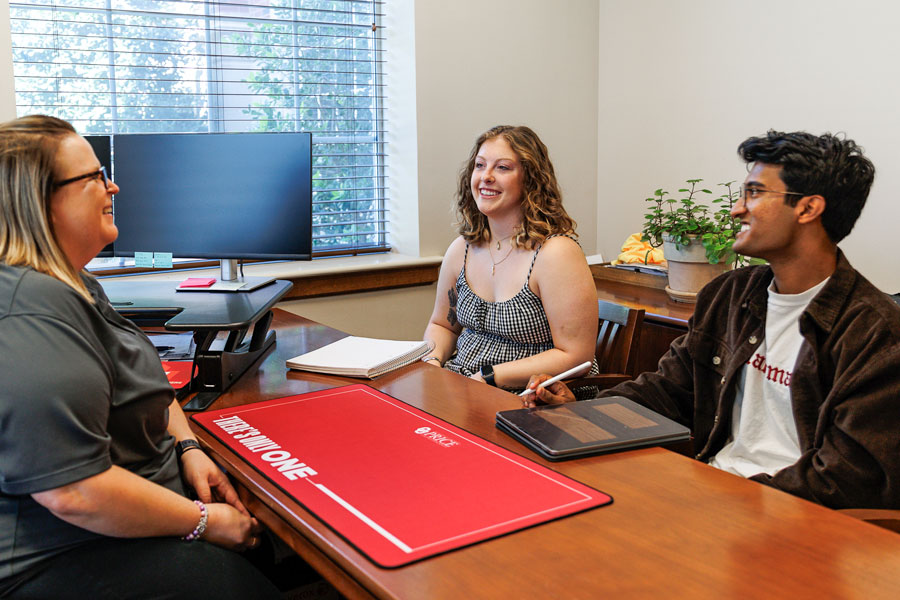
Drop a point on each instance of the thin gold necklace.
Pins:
(494, 264)
(503, 240)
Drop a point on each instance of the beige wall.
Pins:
(391, 314)
(683, 83)
(401, 125)
(520, 62)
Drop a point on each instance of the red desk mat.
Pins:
(394, 481)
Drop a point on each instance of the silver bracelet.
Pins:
(201, 526)
(427, 358)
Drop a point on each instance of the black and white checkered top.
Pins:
(498, 332)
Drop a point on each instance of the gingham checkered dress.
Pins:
(498, 332)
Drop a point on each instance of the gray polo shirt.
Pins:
(81, 389)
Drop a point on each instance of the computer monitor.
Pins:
(225, 196)
(102, 147)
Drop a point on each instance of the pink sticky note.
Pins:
(196, 282)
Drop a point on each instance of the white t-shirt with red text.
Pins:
(763, 431)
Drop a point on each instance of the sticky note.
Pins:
(197, 282)
(162, 260)
(143, 259)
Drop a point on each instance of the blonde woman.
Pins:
(93, 446)
(515, 295)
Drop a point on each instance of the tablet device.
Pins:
(576, 429)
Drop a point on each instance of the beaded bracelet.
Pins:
(201, 526)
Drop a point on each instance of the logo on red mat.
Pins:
(436, 437)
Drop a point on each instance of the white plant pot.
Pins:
(689, 270)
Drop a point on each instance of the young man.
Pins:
(790, 373)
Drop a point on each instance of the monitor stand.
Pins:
(155, 303)
(230, 281)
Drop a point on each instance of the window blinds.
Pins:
(174, 66)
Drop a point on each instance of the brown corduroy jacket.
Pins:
(845, 386)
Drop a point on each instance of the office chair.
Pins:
(618, 337)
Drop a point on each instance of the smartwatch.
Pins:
(185, 445)
(487, 373)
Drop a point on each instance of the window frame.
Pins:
(378, 192)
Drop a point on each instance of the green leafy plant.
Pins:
(687, 219)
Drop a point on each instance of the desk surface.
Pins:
(656, 302)
(192, 310)
(677, 528)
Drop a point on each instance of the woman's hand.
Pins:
(119, 503)
(227, 527)
(477, 377)
(198, 470)
(557, 393)
(208, 480)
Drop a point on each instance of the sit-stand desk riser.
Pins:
(158, 303)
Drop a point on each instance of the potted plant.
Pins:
(696, 237)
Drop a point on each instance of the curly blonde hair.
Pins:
(27, 154)
(543, 214)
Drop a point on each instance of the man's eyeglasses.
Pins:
(101, 173)
(754, 192)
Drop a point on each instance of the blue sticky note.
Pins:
(162, 260)
(143, 259)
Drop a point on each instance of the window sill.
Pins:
(332, 276)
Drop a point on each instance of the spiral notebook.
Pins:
(360, 357)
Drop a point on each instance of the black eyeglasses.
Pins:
(101, 173)
(753, 192)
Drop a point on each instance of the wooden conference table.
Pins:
(677, 528)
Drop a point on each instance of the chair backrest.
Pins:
(618, 337)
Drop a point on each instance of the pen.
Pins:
(563, 375)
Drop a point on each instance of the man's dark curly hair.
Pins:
(824, 165)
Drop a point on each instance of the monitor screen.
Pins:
(103, 149)
(229, 195)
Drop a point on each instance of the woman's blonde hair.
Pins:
(542, 211)
(28, 148)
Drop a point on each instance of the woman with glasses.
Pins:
(515, 294)
(93, 446)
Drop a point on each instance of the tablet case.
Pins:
(577, 429)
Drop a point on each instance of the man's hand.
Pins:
(557, 393)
